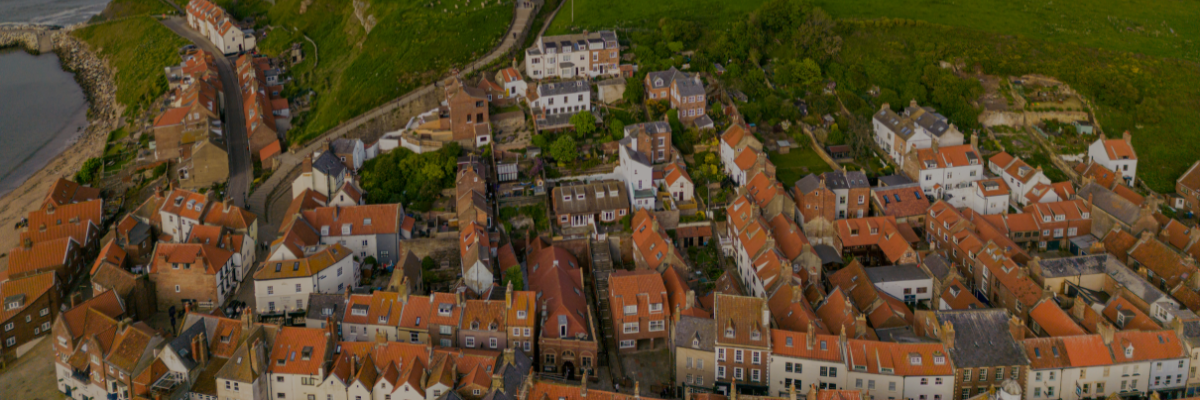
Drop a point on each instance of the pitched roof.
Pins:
(1159, 345)
(1125, 315)
(744, 316)
(958, 297)
(40, 257)
(28, 289)
(640, 289)
(976, 342)
(375, 219)
(67, 192)
(1119, 149)
(1191, 178)
(904, 359)
(901, 201)
(292, 343)
(1054, 320)
(795, 344)
(210, 257)
(1110, 202)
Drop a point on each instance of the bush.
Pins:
(89, 172)
(584, 122)
(427, 264)
(513, 275)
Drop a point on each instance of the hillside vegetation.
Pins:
(409, 43)
(137, 49)
(128, 8)
(1164, 28)
(609, 14)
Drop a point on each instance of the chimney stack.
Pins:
(1127, 137)
(810, 338)
(948, 335)
(637, 390)
(497, 382)
(766, 315)
(1106, 331)
(691, 299)
(1017, 328)
(583, 385)
(508, 296)
(812, 392)
(860, 325)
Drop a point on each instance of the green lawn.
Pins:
(137, 49)
(1154, 98)
(1165, 28)
(608, 14)
(797, 164)
(411, 45)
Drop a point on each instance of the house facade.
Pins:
(586, 55)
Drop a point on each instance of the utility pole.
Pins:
(572, 11)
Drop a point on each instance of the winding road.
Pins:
(240, 164)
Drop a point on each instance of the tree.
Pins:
(513, 275)
(90, 170)
(584, 122)
(564, 149)
(540, 141)
(634, 90)
(428, 264)
(617, 128)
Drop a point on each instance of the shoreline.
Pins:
(103, 115)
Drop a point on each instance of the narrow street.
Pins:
(240, 164)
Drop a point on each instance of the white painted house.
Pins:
(567, 97)
(947, 172)
(905, 282)
(805, 359)
(636, 170)
(1117, 155)
(987, 196)
(215, 24)
(916, 128)
(286, 283)
(1020, 176)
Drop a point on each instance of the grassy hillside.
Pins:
(410, 45)
(1165, 28)
(137, 49)
(607, 14)
(126, 8)
(1152, 97)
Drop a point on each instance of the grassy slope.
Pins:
(1163, 134)
(124, 8)
(411, 45)
(137, 49)
(598, 14)
(1131, 26)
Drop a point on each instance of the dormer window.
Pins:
(1086, 215)
(579, 196)
(630, 310)
(566, 197)
(696, 343)
(914, 359)
(1045, 218)
(346, 229)
(520, 314)
(444, 310)
(475, 325)
(729, 332)
(325, 230)
(788, 341)
(755, 335)
(939, 359)
(656, 307)
(1060, 218)
(1129, 351)
(383, 319)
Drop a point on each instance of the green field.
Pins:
(609, 14)
(1164, 28)
(797, 164)
(1154, 98)
(411, 45)
(137, 49)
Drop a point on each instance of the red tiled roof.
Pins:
(1146, 346)
(361, 220)
(901, 202)
(876, 356)
(291, 342)
(112, 254)
(1138, 320)
(270, 150)
(211, 257)
(170, 117)
(795, 344)
(1119, 149)
(1054, 320)
(958, 297)
(1086, 350)
(66, 192)
(30, 287)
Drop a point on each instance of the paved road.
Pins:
(240, 164)
(259, 199)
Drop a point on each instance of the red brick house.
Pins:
(469, 119)
(743, 343)
(685, 92)
(191, 273)
(567, 345)
(30, 305)
(1188, 188)
(638, 300)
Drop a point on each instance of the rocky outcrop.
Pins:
(96, 79)
(23, 39)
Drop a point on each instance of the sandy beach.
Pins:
(94, 77)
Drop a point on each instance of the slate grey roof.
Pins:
(689, 328)
(937, 265)
(654, 127)
(981, 339)
(828, 254)
(1072, 266)
(1191, 332)
(846, 180)
(1134, 282)
(182, 344)
(901, 126)
(637, 156)
(808, 183)
(329, 164)
(567, 87)
(319, 302)
(703, 122)
(894, 180)
(1110, 202)
(343, 145)
(896, 273)
(686, 85)
(930, 120)
(591, 203)
(140, 231)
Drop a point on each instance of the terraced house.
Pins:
(743, 344)
(213, 22)
(685, 92)
(640, 318)
(589, 54)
